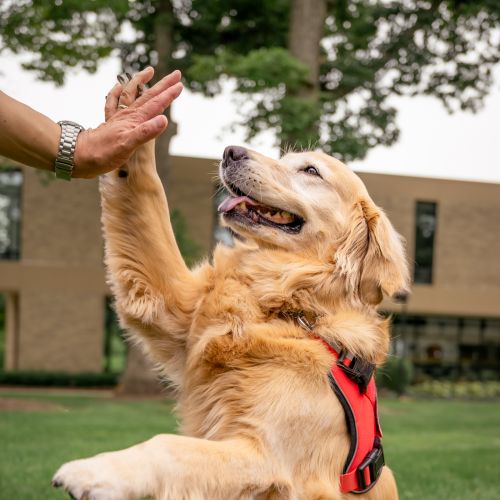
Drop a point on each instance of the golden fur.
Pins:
(259, 420)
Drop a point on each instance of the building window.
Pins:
(449, 345)
(425, 230)
(10, 214)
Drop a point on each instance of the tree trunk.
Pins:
(307, 21)
(163, 27)
(139, 376)
(306, 29)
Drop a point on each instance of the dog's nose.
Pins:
(233, 154)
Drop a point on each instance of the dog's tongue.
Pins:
(229, 203)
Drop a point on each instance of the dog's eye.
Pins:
(311, 170)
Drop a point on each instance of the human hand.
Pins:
(130, 122)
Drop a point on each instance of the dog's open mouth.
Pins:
(250, 211)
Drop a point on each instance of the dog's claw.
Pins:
(121, 79)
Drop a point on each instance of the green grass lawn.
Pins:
(438, 449)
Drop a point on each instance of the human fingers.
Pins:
(146, 131)
(134, 87)
(111, 105)
(159, 87)
(158, 104)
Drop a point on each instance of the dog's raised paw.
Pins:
(89, 479)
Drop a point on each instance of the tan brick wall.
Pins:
(60, 222)
(59, 283)
(192, 193)
(61, 331)
(467, 243)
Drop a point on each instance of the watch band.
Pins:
(65, 160)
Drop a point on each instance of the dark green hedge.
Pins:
(58, 379)
(396, 375)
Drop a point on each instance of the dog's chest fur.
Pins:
(249, 370)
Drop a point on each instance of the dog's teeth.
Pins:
(269, 213)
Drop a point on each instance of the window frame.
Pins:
(423, 271)
(15, 251)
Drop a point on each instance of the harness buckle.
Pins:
(304, 323)
(358, 370)
(374, 463)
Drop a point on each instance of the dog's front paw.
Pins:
(91, 479)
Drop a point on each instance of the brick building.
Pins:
(55, 296)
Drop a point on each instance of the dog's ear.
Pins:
(371, 256)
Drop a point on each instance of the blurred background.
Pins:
(407, 92)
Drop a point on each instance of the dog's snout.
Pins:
(233, 154)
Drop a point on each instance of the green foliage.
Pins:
(370, 51)
(58, 379)
(2, 330)
(299, 121)
(115, 345)
(396, 375)
(62, 34)
(257, 71)
(448, 389)
(268, 68)
(190, 250)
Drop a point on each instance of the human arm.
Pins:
(33, 139)
(26, 135)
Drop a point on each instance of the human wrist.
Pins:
(86, 162)
(65, 160)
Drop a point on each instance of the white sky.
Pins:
(432, 142)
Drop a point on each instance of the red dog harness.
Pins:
(352, 381)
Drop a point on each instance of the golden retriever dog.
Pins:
(258, 417)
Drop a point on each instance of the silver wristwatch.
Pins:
(65, 160)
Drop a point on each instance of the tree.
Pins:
(78, 34)
(316, 72)
(335, 93)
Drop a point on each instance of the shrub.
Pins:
(396, 375)
(446, 389)
(190, 250)
(58, 379)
